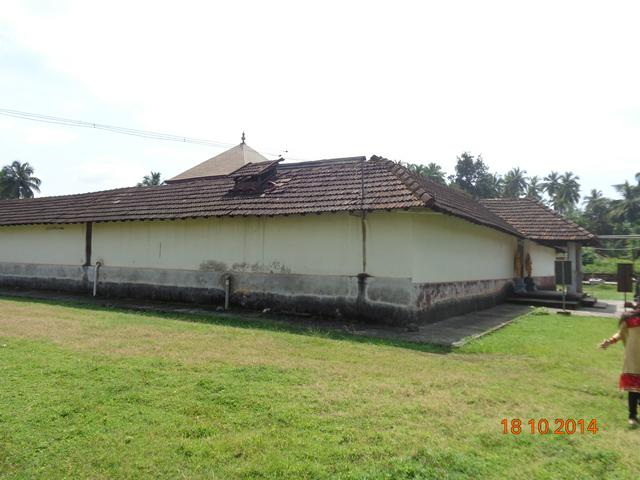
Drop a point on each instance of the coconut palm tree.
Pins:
(597, 213)
(568, 193)
(434, 172)
(413, 167)
(535, 189)
(593, 198)
(515, 183)
(628, 207)
(151, 180)
(551, 184)
(17, 181)
(489, 185)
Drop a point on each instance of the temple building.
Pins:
(354, 237)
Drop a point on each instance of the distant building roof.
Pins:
(222, 164)
(538, 222)
(338, 185)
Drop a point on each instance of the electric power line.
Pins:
(37, 117)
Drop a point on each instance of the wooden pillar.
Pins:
(88, 240)
(574, 251)
(579, 267)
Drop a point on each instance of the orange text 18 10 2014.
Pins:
(544, 426)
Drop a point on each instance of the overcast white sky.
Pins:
(539, 85)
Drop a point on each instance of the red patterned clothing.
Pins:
(630, 335)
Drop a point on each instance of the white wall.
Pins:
(389, 239)
(542, 259)
(422, 246)
(446, 248)
(427, 246)
(313, 244)
(48, 245)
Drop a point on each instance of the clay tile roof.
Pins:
(309, 187)
(450, 200)
(538, 222)
(337, 185)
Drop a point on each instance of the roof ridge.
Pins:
(322, 161)
(408, 178)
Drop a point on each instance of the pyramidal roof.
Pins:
(222, 164)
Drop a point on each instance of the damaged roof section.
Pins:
(254, 177)
(538, 222)
(255, 169)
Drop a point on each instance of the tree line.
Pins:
(559, 191)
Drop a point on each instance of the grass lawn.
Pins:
(602, 264)
(606, 292)
(93, 393)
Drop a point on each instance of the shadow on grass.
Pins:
(311, 328)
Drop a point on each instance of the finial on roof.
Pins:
(243, 137)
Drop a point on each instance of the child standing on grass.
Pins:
(629, 333)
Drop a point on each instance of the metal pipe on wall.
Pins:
(227, 291)
(95, 278)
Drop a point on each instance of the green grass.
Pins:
(606, 292)
(91, 393)
(602, 264)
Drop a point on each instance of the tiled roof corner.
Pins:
(446, 199)
(537, 221)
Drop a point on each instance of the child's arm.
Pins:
(610, 341)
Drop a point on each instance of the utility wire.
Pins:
(122, 130)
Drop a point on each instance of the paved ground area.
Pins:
(610, 308)
(453, 331)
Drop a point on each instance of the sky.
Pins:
(532, 84)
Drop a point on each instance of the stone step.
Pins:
(588, 301)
